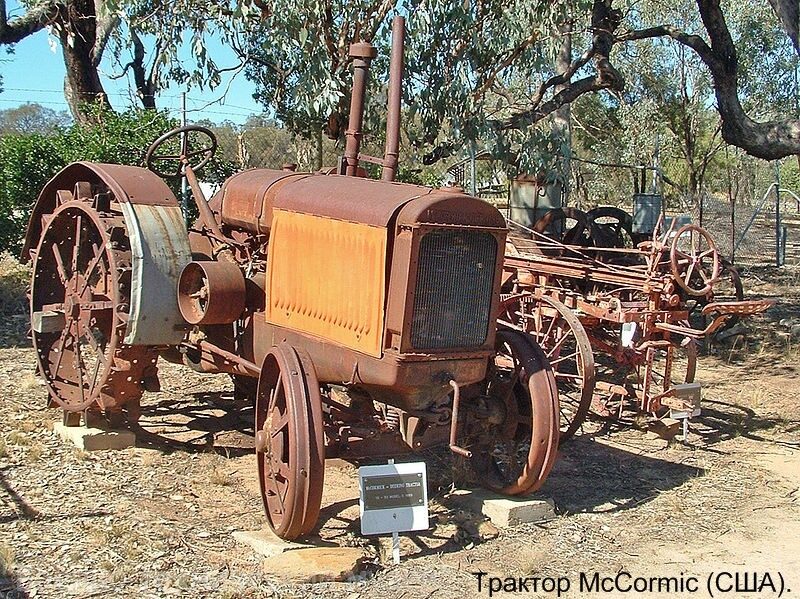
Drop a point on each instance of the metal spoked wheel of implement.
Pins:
(289, 441)
(693, 254)
(566, 345)
(612, 227)
(513, 428)
(568, 225)
(80, 295)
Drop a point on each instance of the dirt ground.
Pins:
(156, 520)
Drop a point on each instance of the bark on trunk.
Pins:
(78, 34)
(562, 129)
(145, 86)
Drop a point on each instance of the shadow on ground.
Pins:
(722, 421)
(590, 476)
(11, 588)
(202, 422)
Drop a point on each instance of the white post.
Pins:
(184, 181)
(396, 548)
(395, 537)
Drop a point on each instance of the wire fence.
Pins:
(759, 231)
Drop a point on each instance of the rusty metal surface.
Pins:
(81, 275)
(362, 54)
(348, 308)
(449, 207)
(347, 198)
(211, 292)
(649, 289)
(513, 430)
(694, 260)
(289, 445)
(126, 183)
(559, 332)
(159, 251)
(246, 198)
(392, 150)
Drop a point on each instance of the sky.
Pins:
(35, 73)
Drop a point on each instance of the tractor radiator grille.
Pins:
(453, 297)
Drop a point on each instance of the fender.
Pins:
(158, 240)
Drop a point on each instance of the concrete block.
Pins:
(265, 542)
(505, 511)
(315, 564)
(95, 439)
(666, 429)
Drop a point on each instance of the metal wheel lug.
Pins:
(261, 441)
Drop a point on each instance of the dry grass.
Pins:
(3, 449)
(14, 279)
(16, 437)
(35, 452)
(6, 559)
(219, 477)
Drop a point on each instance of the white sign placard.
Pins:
(393, 498)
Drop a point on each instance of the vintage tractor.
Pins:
(360, 313)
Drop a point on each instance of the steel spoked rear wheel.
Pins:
(513, 429)
(289, 442)
(566, 345)
(79, 310)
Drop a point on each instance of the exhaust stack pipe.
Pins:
(392, 151)
(362, 54)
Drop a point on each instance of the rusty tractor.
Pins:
(619, 323)
(358, 314)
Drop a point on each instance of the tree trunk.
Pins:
(561, 126)
(78, 34)
(318, 150)
(145, 86)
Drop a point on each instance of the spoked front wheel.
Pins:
(289, 442)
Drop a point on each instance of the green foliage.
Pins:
(32, 118)
(28, 161)
(116, 137)
(300, 65)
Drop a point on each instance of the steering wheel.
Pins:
(694, 261)
(180, 149)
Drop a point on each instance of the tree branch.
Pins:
(605, 21)
(769, 140)
(105, 27)
(32, 21)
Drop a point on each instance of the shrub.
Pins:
(27, 162)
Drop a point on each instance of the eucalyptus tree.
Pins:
(145, 37)
(297, 56)
(482, 68)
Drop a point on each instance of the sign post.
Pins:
(393, 498)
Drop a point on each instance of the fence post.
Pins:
(778, 232)
(702, 201)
